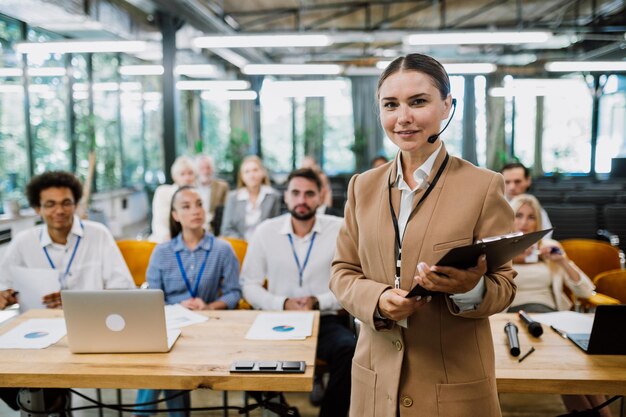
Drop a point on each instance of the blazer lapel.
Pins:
(415, 234)
(386, 234)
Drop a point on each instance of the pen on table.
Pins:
(559, 332)
(532, 349)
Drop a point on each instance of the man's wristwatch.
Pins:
(316, 303)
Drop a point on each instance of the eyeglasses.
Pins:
(65, 204)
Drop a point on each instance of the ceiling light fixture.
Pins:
(213, 85)
(10, 72)
(197, 70)
(477, 38)
(141, 70)
(304, 88)
(460, 68)
(292, 69)
(586, 66)
(229, 95)
(262, 41)
(46, 72)
(64, 47)
(470, 68)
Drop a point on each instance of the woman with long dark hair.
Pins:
(194, 269)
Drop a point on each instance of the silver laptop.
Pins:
(108, 321)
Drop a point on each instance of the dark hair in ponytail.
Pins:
(176, 227)
(420, 63)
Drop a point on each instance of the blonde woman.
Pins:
(252, 202)
(543, 270)
(183, 173)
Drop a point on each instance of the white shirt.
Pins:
(98, 263)
(465, 301)
(270, 256)
(253, 212)
(205, 195)
(161, 207)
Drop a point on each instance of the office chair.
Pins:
(240, 247)
(592, 256)
(137, 254)
(573, 221)
(612, 283)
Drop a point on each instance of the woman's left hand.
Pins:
(457, 281)
(193, 303)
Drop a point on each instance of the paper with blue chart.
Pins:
(282, 326)
(34, 334)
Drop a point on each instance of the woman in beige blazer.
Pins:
(429, 356)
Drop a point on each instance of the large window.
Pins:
(48, 107)
(13, 152)
(215, 132)
(294, 113)
(567, 128)
(612, 123)
(276, 129)
(106, 98)
(339, 131)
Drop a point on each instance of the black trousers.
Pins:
(335, 346)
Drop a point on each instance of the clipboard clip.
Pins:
(500, 237)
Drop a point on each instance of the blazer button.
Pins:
(406, 401)
(398, 345)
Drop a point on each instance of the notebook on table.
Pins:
(117, 321)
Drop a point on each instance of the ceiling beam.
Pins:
(476, 12)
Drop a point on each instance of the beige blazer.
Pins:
(443, 363)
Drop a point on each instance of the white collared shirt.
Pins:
(270, 256)
(253, 212)
(465, 301)
(98, 263)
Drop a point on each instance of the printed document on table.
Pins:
(34, 334)
(281, 326)
(568, 321)
(177, 316)
(33, 284)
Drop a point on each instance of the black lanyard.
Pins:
(396, 228)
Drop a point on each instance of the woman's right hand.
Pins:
(393, 305)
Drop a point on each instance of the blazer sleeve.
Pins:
(355, 292)
(275, 211)
(496, 218)
(229, 222)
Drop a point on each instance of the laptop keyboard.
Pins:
(584, 343)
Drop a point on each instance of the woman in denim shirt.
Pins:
(194, 269)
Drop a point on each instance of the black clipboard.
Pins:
(499, 250)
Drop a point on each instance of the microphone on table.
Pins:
(433, 138)
(511, 331)
(534, 327)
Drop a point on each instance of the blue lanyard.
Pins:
(193, 293)
(63, 278)
(295, 255)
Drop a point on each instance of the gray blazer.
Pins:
(234, 222)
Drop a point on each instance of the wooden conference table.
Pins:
(202, 356)
(557, 366)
